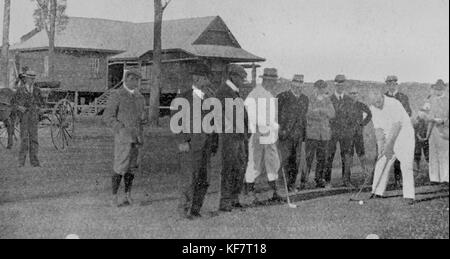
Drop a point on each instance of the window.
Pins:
(95, 68)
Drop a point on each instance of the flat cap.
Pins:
(440, 85)
(391, 79)
(340, 79)
(132, 72)
(237, 70)
(299, 78)
(200, 70)
(270, 73)
(320, 84)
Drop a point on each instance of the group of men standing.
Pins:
(270, 139)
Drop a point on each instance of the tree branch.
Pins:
(166, 4)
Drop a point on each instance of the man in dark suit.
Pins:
(196, 146)
(125, 114)
(28, 100)
(363, 117)
(292, 110)
(393, 92)
(234, 138)
(342, 132)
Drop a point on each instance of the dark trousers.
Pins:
(234, 161)
(290, 150)
(29, 138)
(10, 127)
(346, 145)
(318, 149)
(194, 177)
(422, 147)
(358, 144)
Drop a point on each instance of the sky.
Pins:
(363, 39)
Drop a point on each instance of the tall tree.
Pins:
(5, 43)
(50, 16)
(156, 84)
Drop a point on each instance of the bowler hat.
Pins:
(237, 70)
(270, 73)
(390, 79)
(299, 78)
(320, 84)
(440, 85)
(132, 72)
(340, 79)
(29, 74)
(200, 70)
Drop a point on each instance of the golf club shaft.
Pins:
(286, 187)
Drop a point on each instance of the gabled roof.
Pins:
(132, 40)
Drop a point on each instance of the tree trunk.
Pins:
(5, 43)
(51, 40)
(156, 64)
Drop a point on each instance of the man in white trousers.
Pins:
(263, 156)
(395, 139)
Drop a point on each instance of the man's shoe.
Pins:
(348, 184)
(194, 216)
(238, 205)
(276, 198)
(375, 197)
(410, 202)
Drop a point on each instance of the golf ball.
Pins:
(373, 237)
(361, 203)
(72, 236)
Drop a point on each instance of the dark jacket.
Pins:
(403, 99)
(125, 114)
(292, 112)
(31, 101)
(360, 109)
(225, 93)
(197, 141)
(320, 112)
(344, 124)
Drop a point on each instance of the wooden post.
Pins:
(76, 103)
(5, 43)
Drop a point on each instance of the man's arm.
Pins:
(407, 105)
(365, 109)
(391, 140)
(110, 115)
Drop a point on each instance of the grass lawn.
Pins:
(70, 194)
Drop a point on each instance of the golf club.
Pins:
(355, 198)
(292, 206)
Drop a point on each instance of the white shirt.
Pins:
(339, 96)
(262, 109)
(393, 112)
(232, 86)
(128, 89)
(197, 92)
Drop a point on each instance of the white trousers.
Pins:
(439, 166)
(262, 158)
(381, 177)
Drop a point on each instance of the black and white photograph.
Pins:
(236, 120)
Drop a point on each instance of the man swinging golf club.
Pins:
(395, 140)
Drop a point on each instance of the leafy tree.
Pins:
(50, 16)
